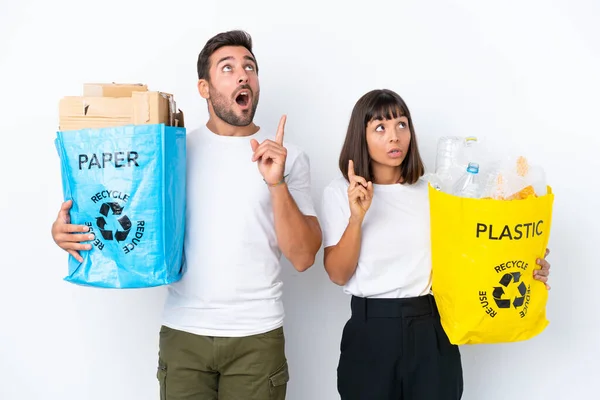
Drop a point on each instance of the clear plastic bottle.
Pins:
(493, 183)
(452, 158)
(448, 151)
(537, 178)
(447, 160)
(470, 152)
(468, 184)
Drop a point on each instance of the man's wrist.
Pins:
(279, 188)
(280, 182)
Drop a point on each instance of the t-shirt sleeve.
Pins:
(298, 183)
(335, 213)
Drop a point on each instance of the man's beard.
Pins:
(223, 108)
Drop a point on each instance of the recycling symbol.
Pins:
(506, 280)
(112, 212)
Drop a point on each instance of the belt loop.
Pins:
(359, 307)
(430, 296)
(363, 307)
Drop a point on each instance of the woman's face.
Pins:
(388, 141)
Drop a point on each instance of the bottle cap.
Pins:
(469, 140)
(473, 167)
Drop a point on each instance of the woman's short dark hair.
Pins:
(229, 38)
(380, 104)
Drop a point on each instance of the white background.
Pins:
(521, 75)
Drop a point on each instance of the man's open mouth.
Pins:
(243, 98)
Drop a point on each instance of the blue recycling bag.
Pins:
(127, 184)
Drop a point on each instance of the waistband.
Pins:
(393, 308)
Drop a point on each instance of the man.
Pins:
(248, 201)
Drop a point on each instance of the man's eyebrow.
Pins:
(249, 58)
(225, 59)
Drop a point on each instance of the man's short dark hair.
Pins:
(229, 38)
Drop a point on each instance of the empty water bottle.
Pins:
(447, 167)
(468, 184)
(453, 156)
(448, 152)
(470, 152)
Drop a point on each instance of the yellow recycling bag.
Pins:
(484, 252)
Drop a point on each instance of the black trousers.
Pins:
(396, 349)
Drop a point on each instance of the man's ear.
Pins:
(203, 88)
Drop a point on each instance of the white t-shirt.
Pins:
(231, 286)
(395, 255)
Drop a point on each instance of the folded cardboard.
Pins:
(141, 108)
(112, 89)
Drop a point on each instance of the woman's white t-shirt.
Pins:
(395, 254)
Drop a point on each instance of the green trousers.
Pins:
(193, 367)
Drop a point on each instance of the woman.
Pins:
(376, 236)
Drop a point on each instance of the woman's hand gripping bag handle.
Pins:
(484, 253)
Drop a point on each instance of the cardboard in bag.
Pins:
(141, 108)
(112, 89)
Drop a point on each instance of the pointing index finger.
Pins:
(280, 129)
(351, 174)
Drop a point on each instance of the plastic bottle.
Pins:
(493, 183)
(468, 184)
(447, 161)
(448, 150)
(453, 156)
(469, 152)
(537, 179)
(434, 180)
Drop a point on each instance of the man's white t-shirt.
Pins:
(395, 254)
(231, 286)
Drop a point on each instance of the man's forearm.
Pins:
(299, 236)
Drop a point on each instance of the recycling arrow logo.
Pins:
(510, 280)
(112, 224)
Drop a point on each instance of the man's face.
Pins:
(233, 88)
